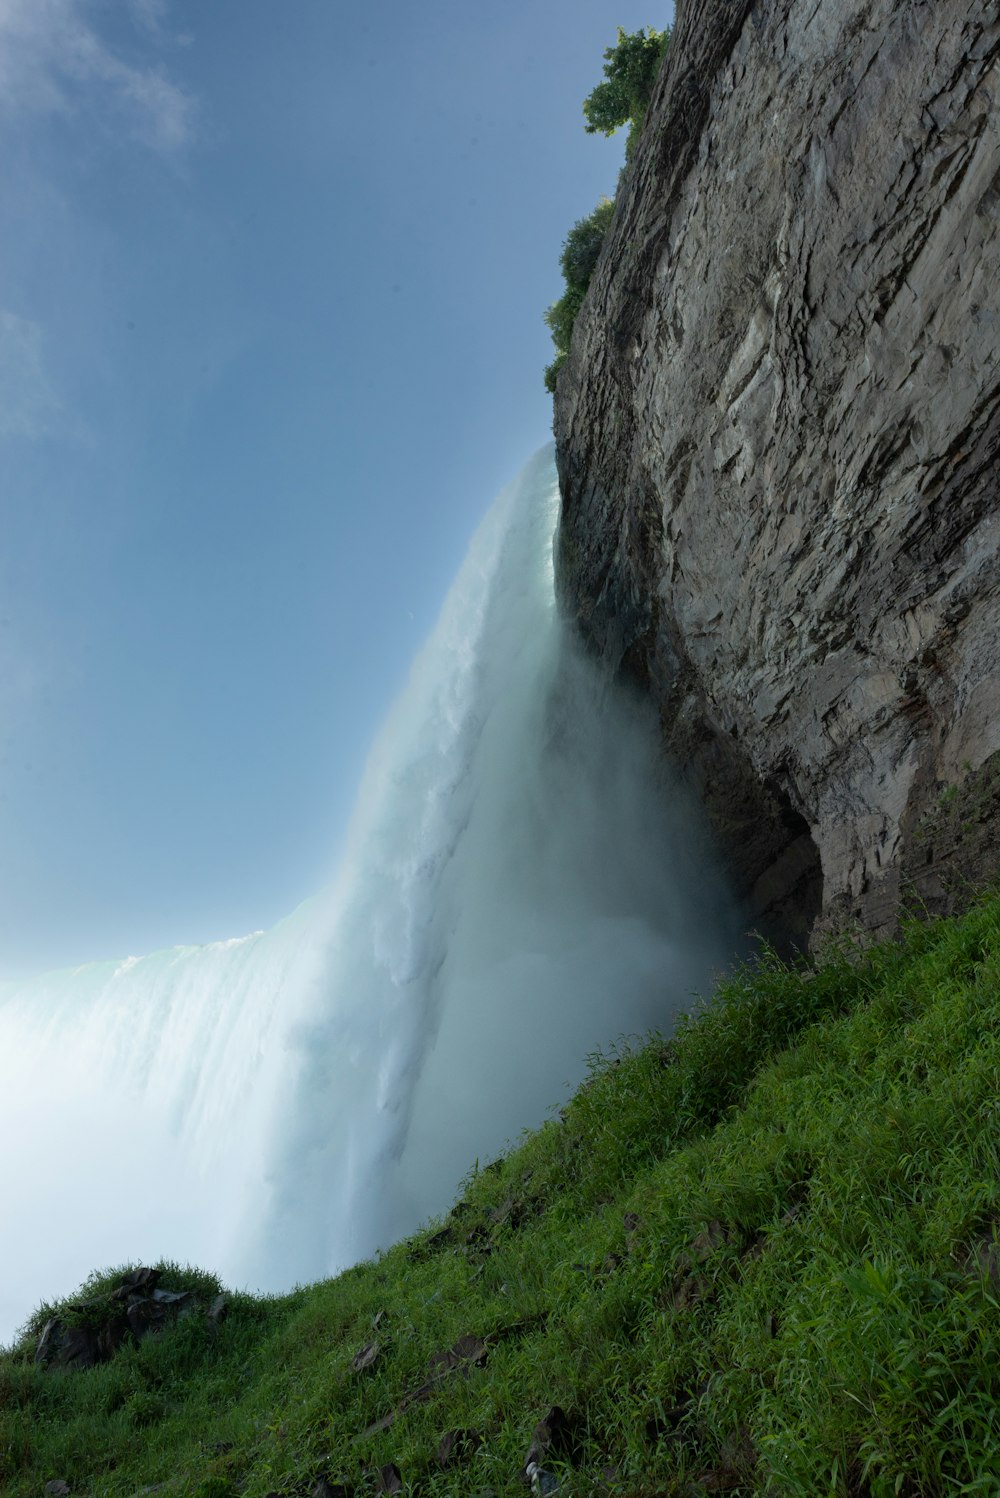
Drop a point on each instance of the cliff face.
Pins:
(778, 437)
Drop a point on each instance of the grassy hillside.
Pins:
(762, 1257)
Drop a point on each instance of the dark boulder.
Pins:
(63, 1346)
(92, 1331)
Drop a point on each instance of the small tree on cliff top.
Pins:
(630, 70)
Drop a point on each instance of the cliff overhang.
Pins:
(778, 435)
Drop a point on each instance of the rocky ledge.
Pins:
(778, 435)
(93, 1331)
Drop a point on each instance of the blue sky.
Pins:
(271, 283)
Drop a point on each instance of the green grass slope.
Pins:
(761, 1258)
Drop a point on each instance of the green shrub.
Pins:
(583, 246)
(580, 253)
(552, 371)
(630, 72)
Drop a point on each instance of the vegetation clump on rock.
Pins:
(630, 68)
(630, 71)
(761, 1257)
(579, 256)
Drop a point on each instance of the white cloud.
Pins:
(52, 60)
(150, 13)
(29, 407)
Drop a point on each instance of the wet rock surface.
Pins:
(778, 437)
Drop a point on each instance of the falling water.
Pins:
(522, 885)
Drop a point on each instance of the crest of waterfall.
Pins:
(522, 885)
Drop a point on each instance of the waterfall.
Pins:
(522, 885)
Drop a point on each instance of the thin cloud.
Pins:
(52, 60)
(29, 407)
(150, 14)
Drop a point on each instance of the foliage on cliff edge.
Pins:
(630, 71)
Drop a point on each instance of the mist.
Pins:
(524, 883)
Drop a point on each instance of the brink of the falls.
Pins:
(522, 885)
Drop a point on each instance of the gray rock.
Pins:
(138, 1282)
(144, 1316)
(65, 1346)
(543, 1483)
(109, 1323)
(366, 1357)
(778, 436)
(218, 1310)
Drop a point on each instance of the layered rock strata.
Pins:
(778, 436)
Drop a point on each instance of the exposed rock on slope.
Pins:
(778, 438)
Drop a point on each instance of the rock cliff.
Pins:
(778, 436)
